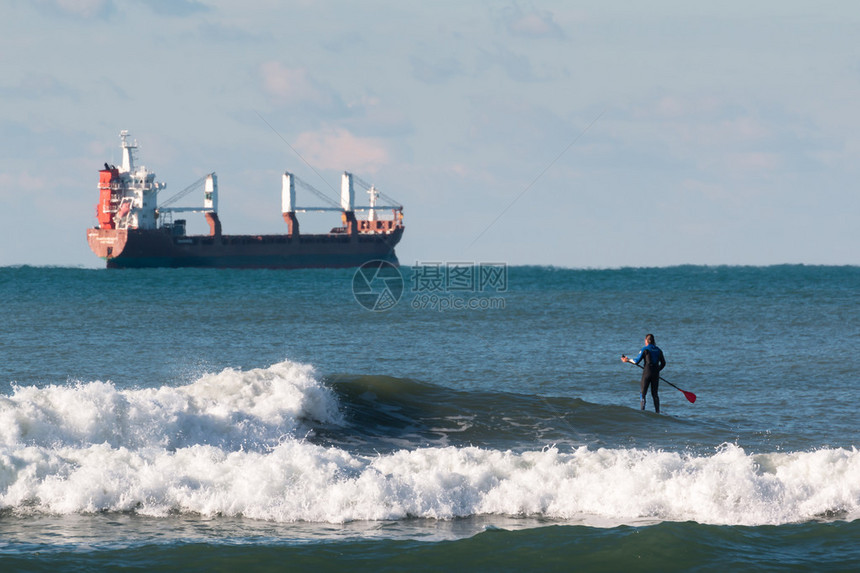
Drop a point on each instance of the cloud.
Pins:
(436, 71)
(674, 106)
(290, 84)
(22, 187)
(710, 190)
(337, 148)
(178, 8)
(102, 9)
(370, 115)
(723, 133)
(709, 125)
(38, 85)
(753, 161)
(534, 24)
(706, 119)
(517, 66)
(85, 9)
(226, 33)
(296, 86)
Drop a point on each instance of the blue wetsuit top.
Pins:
(654, 358)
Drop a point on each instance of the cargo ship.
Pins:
(136, 230)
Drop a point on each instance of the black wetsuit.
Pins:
(654, 363)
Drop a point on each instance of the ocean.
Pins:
(474, 416)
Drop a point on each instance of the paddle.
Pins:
(688, 395)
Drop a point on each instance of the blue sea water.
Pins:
(182, 419)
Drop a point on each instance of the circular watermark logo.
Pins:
(377, 285)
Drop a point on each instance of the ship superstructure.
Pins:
(136, 229)
(127, 194)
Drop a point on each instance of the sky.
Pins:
(574, 134)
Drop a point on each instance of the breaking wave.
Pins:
(230, 409)
(241, 443)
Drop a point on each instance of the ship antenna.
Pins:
(127, 153)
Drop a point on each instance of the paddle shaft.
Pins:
(660, 377)
(689, 395)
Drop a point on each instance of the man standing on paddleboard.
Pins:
(654, 363)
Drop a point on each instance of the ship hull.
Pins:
(134, 248)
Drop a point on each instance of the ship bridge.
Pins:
(128, 193)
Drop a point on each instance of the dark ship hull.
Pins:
(135, 248)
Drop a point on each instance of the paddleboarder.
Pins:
(654, 363)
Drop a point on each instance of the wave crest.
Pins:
(231, 409)
(298, 481)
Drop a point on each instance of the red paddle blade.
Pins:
(690, 396)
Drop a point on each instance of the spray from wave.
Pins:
(232, 444)
(230, 409)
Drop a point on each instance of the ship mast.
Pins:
(374, 195)
(127, 153)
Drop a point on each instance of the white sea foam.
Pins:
(230, 409)
(296, 481)
(92, 448)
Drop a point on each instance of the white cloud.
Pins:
(675, 106)
(725, 133)
(536, 24)
(296, 86)
(38, 85)
(291, 85)
(16, 185)
(710, 190)
(435, 70)
(80, 8)
(517, 66)
(339, 149)
(715, 135)
(175, 7)
(753, 161)
(87, 9)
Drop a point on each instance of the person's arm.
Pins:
(625, 358)
(662, 360)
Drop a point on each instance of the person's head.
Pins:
(649, 339)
